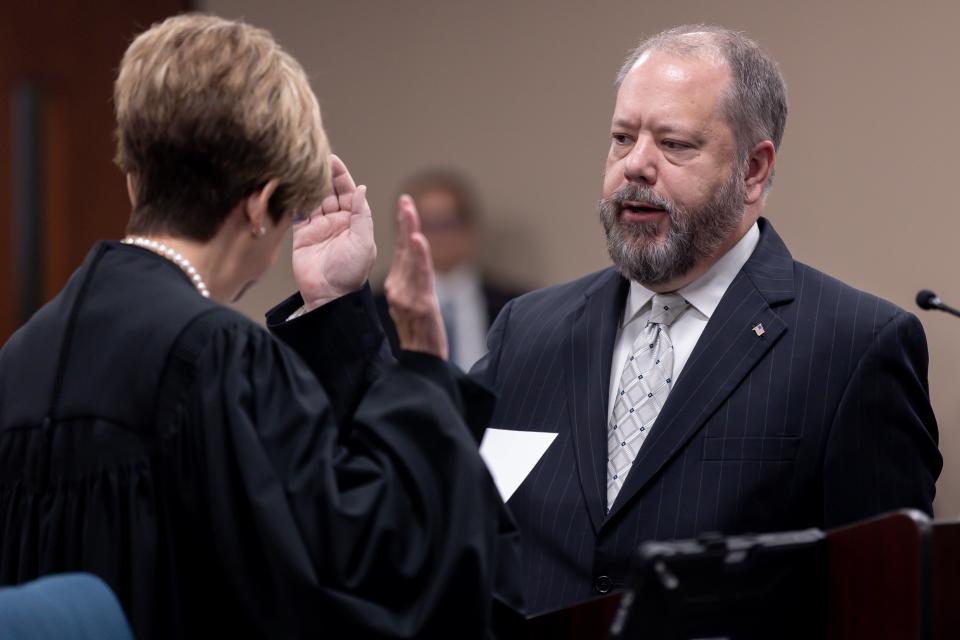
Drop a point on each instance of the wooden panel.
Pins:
(877, 581)
(8, 307)
(72, 50)
(945, 577)
(591, 619)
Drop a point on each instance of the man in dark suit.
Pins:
(469, 298)
(708, 382)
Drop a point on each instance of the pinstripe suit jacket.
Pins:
(822, 420)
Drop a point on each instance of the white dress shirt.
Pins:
(703, 294)
(464, 309)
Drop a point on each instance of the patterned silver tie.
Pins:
(644, 385)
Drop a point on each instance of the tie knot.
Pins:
(666, 308)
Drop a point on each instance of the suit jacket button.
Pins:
(602, 584)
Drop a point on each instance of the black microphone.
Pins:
(927, 299)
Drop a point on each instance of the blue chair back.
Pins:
(70, 606)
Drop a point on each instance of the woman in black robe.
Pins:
(226, 482)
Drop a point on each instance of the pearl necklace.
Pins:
(173, 256)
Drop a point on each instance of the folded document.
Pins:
(511, 456)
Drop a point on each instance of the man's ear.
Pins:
(132, 190)
(257, 207)
(759, 169)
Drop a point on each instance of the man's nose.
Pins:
(640, 165)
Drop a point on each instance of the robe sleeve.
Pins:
(341, 342)
(345, 346)
(385, 526)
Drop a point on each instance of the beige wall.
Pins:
(519, 95)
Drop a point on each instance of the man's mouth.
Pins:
(640, 208)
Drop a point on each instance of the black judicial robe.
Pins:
(226, 485)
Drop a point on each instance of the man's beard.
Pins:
(695, 232)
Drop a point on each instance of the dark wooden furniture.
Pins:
(893, 577)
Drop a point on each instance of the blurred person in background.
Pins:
(223, 481)
(469, 298)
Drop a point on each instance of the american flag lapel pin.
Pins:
(759, 330)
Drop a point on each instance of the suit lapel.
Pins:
(725, 354)
(592, 335)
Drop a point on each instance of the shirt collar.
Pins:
(705, 292)
(459, 281)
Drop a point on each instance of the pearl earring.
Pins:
(258, 231)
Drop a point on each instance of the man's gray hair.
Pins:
(756, 102)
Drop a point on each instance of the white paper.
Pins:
(511, 455)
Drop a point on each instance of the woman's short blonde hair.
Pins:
(209, 110)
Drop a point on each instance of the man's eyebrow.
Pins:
(665, 128)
